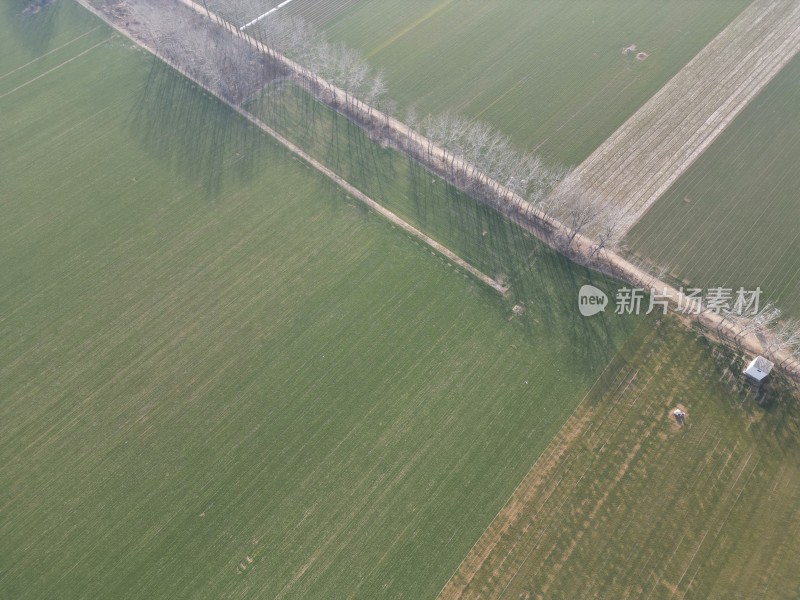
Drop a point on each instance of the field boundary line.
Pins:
(628, 381)
(48, 53)
(266, 14)
(69, 60)
(547, 453)
(330, 174)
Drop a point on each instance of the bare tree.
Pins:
(541, 183)
(473, 154)
(412, 121)
(785, 336)
(376, 91)
(576, 207)
(389, 108)
(227, 64)
(607, 236)
(759, 322)
(476, 140)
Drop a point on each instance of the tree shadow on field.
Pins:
(545, 282)
(193, 132)
(592, 339)
(34, 22)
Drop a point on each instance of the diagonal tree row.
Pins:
(515, 183)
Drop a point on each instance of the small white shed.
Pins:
(759, 369)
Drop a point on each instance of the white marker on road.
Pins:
(266, 14)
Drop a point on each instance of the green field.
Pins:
(634, 507)
(731, 219)
(477, 232)
(220, 377)
(625, 504)
(223, 378)
(549, 73)
(316, 12)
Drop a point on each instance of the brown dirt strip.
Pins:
(342, 183)
(651, 150)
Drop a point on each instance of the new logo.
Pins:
(591, 300)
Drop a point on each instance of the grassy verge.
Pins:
(476, 232)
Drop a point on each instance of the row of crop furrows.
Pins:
(670, 246)
(655, 148)
(524, 522)
(651, 150)
(575, 520)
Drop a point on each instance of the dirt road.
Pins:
(653, 148)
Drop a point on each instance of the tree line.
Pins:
(477, 156)
(471, 154)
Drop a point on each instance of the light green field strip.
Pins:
(626, 504)
(408, 28)
(644, 157)
(48, 53)
(46, 73)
